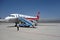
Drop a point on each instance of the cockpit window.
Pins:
(11, 16)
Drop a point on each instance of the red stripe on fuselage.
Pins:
(32, 18)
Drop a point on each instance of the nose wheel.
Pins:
(15, 24)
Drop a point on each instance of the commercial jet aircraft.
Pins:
(14, 18)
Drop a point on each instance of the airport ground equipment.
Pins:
(25, 22)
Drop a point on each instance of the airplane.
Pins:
(11, 17)
(14, 18)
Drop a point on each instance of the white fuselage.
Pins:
(13, 17)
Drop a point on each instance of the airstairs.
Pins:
(25, 22)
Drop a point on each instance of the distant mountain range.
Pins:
(45, 20)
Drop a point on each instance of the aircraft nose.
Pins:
(6, 19)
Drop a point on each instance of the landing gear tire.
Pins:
(15, 25)
(35, 24)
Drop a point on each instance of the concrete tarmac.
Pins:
(44, 31)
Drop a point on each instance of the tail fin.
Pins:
(38, 15)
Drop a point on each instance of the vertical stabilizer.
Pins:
(38, 15)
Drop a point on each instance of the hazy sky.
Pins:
(47, 8)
